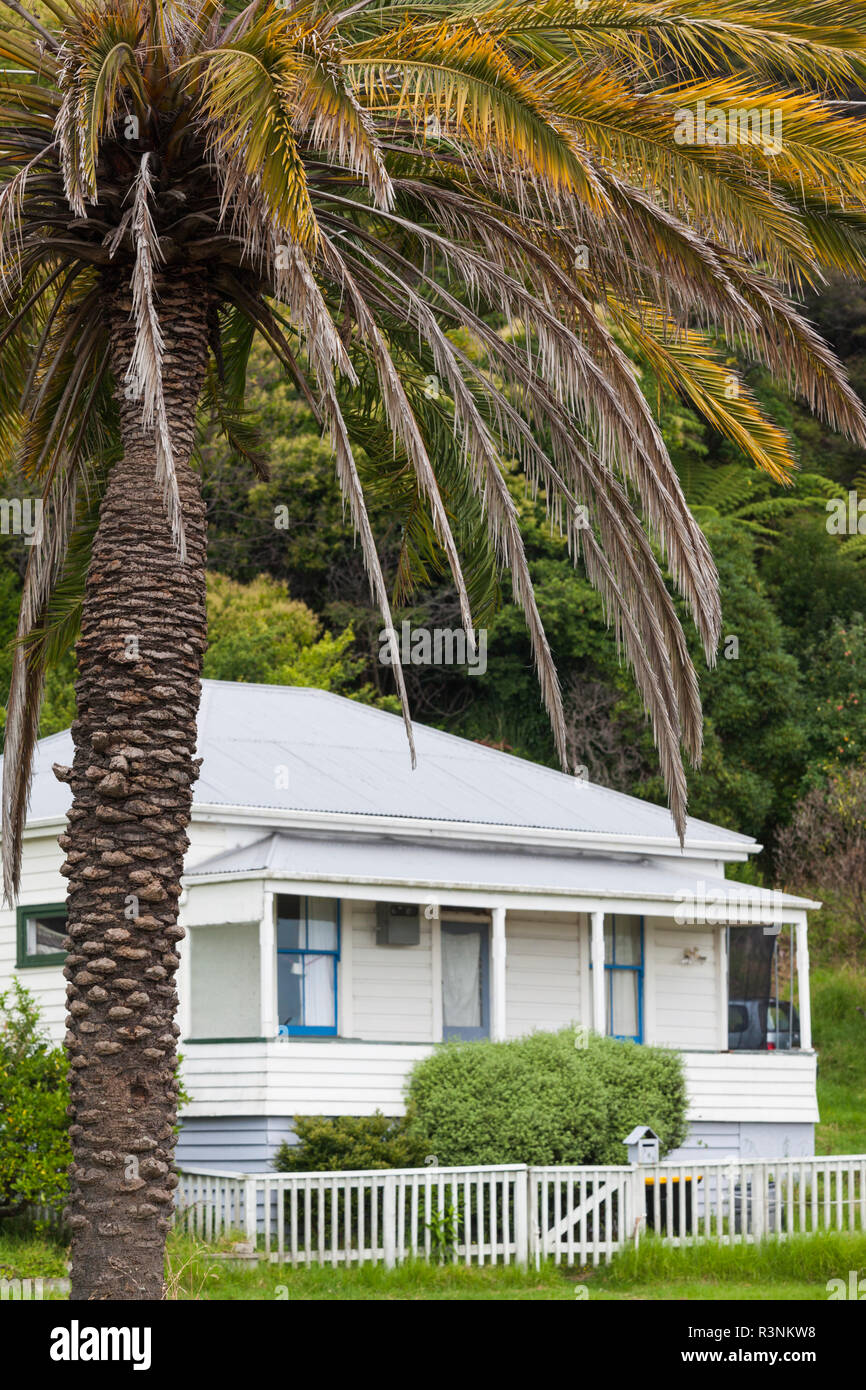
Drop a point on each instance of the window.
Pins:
(623, 977)
(41, 932)
(308, 948)
(761, 1012)
(465, 982)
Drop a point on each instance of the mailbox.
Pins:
(642, 1145)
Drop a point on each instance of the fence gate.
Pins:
(583, 1214)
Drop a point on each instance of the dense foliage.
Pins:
(823, 852)
(34, 1141)
(547, 1098)
(326, 1143)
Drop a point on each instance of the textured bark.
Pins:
(139, 654)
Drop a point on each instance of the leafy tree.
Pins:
(835, 682)
(812, 579)
(823, 850)
(258, 633)
(370, 190)
(752, 700)
(34, 1138)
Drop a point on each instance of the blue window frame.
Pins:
(465, 980)
(623, 977)
(308, 949)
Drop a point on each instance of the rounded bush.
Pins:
(544, 1099)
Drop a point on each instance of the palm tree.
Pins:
(351, 182)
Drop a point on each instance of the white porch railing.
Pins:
(514, 1214)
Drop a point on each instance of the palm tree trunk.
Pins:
(140, 652)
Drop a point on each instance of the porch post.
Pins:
(804, 998)
(497, 1021)
(723, 988)
(597, 957)
(184, 982)
(267, 968)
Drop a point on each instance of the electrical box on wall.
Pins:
(398, 924)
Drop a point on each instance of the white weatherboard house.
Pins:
(346, 913)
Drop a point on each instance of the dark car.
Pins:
(762, 1025)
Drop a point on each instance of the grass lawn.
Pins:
(777, 1270)
(840, 1039)
(783, 1270)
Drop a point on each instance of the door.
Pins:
(465, 980)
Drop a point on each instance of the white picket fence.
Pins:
(516, 1214)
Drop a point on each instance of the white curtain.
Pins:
(321, 924)
(319, 992)
(624, 987)
(461, 979)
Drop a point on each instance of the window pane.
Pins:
(322, 924)
(290, 923)
(779, 1018)
(290, 971)
(737, 1018)
(623, 989)
(45, 935)
(320, 1005)
(627, 941)
(608, 940)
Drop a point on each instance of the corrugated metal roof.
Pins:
(387, 859)
(293, 749)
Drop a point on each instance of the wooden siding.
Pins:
(245, 1143)
(41, 884)
(333, 1077)
(392, 986)
(296, 1076)
(681, 1001)
(542, 971)
(752, 1086)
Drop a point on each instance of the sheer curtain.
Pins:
(624, 987)
(319, 992)
(461, 979)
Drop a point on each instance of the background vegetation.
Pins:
(785, 705)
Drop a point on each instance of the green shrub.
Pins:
(351, 1141)
(548, 1098)
(34, 1142)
